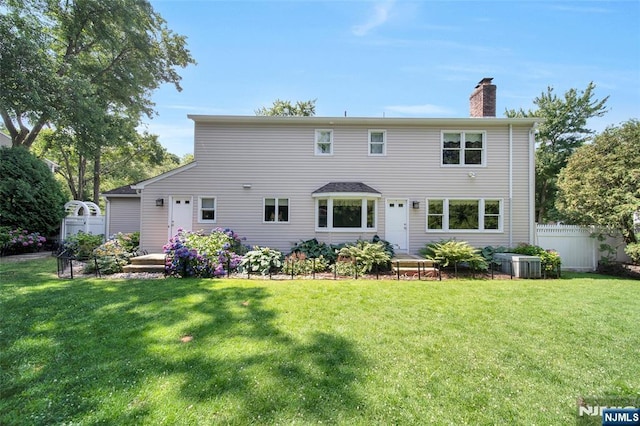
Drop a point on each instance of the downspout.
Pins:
(510, 185)
(532, 184)
(107, 217)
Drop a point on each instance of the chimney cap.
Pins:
(485, 82)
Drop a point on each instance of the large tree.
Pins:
(139, 157)
(600, 184)
(86, 68)
(562, 131)
(282, 108)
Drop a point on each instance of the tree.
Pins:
(600, 184)
(85, 68)
(282, 108)
(30, 197)
(133, 160)
(561, 132)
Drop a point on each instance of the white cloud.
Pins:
(425, 109)
(380, 15)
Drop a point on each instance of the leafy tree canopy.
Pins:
(30, 197)
(82, 66)
(600, 184)
(282, 108)
(562, 131)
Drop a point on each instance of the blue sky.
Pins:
(395, 58)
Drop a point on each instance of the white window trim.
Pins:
(363, 219)
(264, 205)
(462, 133)
(481, 208)
(316, 151)
(215, 209)
(384, 143)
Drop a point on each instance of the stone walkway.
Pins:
(26, 256)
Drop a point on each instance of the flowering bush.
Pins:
(14, 241)
(195, 254)
(114, 254)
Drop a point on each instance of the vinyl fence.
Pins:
(579, 246)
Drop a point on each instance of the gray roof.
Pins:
(350, 187)
(122, 190)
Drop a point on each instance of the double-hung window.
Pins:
(324, 142)
(206, 209)
(456, 215)
(463, 148)
(377, 142)
(346, 214)
(276, 210)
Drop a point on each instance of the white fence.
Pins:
(578, 246)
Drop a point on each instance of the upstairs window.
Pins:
(463, 148)
(377, 142)
(324, 142)
(276, 210)
(206, 209)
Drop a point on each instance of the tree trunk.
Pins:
(96, 177)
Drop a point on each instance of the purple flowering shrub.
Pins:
(195, 254)
(15, 241)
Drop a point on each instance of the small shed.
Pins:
(82, 216)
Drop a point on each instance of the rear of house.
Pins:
(410, 181)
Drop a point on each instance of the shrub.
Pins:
(114, 254)
(82, 245)
(633, 251)
(262, 260)
(367, 255)
(300, 264)
(314, 249)
(549, 259)
(194, 254)
(30, 196)
(453, 253)
(15, 241)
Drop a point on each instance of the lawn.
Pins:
(233, 351)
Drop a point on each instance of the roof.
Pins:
(125, 190)
(344, 188)
(364, 121)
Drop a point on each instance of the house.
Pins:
(411, 181)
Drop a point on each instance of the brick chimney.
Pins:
(483, 99)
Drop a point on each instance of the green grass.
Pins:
(92, 350)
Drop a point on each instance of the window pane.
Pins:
(269, 209)
(324, 136)
(208, 215)
(208, 203)
(472, 157)
(492, 207)
(377, 137)
(491, 222)
(473, 140)
(435, 206)
(371, 214)
(283, 210)
(434, 222)
(451, 140)
(450, 156)
(376, 148)
(347, 213)
(322, 213)
(324, 148)
(463, 214)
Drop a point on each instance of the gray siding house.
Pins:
(411, 181)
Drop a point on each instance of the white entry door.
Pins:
(396, 224)
(181, 215)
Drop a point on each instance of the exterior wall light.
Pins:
(246, 185)
(415, 204)
(160, 202)
(472, 175)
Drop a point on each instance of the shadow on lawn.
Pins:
(98, 351)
